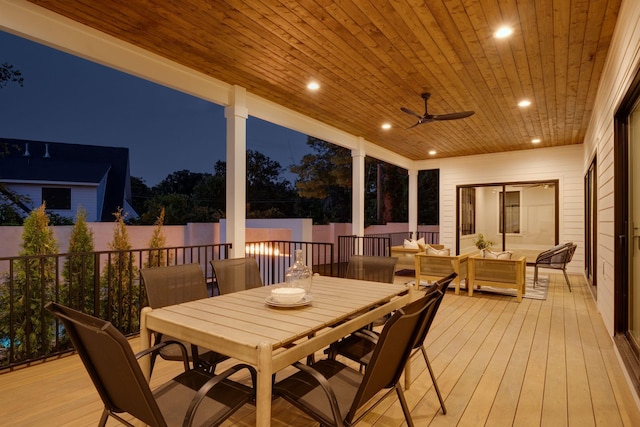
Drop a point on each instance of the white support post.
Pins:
(413, 201)
(236, 114)
(357, 192)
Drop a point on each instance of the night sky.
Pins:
(69, 99)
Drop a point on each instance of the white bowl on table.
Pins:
(288, 295)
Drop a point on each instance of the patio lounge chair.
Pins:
(556, 258)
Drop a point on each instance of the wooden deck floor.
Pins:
(543, 363)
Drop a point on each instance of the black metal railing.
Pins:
(431, 237)
(107, 285)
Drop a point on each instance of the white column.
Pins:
(236, 114)
(357, 192)
(413, 200)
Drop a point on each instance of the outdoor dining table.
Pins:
(242, 325)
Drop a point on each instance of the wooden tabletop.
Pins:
(243, 326)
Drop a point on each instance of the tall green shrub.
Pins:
(34, 280)
(78, 272)
(119, 280)
(158, 240)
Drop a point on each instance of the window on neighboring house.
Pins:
(467, 211)
(511, 211)
(56, 198)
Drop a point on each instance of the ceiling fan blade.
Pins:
(418, 123)
(406, 110)
(451, 116)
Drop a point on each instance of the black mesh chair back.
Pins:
(393, 349)
(175, 284)
(441, 286)
(236, 274)
(372, 268)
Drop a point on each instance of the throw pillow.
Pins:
(497, 255)
(438, 252)
(410, 244)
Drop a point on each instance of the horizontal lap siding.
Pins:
(620, 69)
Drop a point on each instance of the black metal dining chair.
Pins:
(236, 274)
(372, 268)
(359, 346)
(175, 284)
(193, 397)
(334, 394)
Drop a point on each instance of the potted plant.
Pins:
(483, 244)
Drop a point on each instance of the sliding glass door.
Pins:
(518, 217)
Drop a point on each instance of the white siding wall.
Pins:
(562, 163)
(620, 69)
(80, 195)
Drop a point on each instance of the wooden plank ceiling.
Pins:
(372, 57)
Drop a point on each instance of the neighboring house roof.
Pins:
(51, 162)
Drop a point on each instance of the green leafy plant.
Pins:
(481, 243)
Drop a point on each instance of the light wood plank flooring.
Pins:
(543, 363)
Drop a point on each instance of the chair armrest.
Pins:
(206, 387)
(403, 250)
(367, 335)
(156, 348)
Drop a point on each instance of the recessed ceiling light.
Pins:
(432, 152)
(313, 86)
(503, 32)
(535, 141)
(386, 126)
(524, 103)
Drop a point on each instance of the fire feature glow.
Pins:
(261, 249)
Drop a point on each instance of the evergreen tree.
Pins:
(79, 267)
(120, 287)
(34, 280)
(158, 240)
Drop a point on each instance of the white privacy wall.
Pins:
(562, 163)
(619, 70)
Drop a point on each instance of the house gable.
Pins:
(98, 177)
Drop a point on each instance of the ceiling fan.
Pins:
(426, 117)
